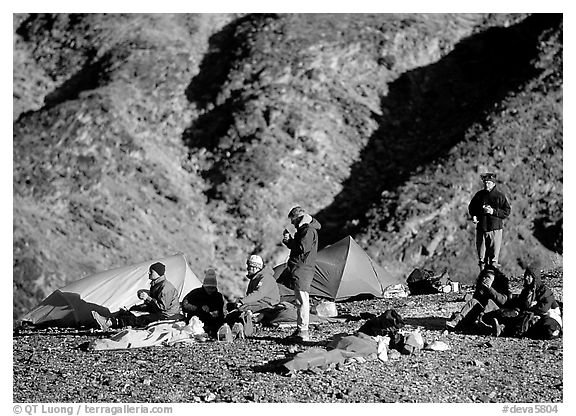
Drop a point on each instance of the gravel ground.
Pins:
(50, 365)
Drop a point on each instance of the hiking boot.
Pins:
(104, 323)
(454, 321)
(497, 327)
(247, 322)
(299, 336)
(238, 331)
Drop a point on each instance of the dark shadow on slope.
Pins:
(226, 47)
(92, 76)
(428, 110)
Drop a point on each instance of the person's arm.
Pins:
(306, 242)
(498, 298)
(288, 240)
(502, 210)
(141, 307)
(264, 290)
(217, 309)
(165, 298)
(543, 303)
(474, 206)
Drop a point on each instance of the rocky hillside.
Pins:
(137, 136)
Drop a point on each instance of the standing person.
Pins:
(206, 302)
(160, 303)
(299, 270)
(488, 208)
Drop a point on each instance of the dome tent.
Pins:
(344, 271)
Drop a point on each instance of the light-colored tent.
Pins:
(106, 292)
(344, 271)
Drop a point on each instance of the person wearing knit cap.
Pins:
(160, 302)
(262, 293)
(206, 302)
(300, 267)
(488, 208)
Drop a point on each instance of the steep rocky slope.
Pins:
(140, 135)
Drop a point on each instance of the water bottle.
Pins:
(224, 333)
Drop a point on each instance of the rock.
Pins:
(394, 355)
(437, 346)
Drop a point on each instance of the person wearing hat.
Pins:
(159, 303)
(205, 302)
(262, 293)
(299, 271)
(488, 208)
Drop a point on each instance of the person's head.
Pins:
(156, 270)
(532, 274)
(210, 282)
(296, 214)
(254, 264)
(489, 180)
(488, 275)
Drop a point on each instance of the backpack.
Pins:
(424, 282)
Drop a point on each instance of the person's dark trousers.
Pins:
(141, 321)
(470, 312)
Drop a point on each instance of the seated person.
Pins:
(262, 293)
(160, 303)
(491, 293)
(206, 302)
(534, 313)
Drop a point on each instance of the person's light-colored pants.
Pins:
(302, 302)
(488, 246)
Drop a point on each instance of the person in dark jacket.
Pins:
(300, 267)
(534, 313)
(159, 303)
(491, 293)
(488, 208)
(206, 302)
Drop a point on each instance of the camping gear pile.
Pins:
(425, 282)
(156, 334)
(379, 338)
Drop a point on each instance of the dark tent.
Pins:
(344, 271)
